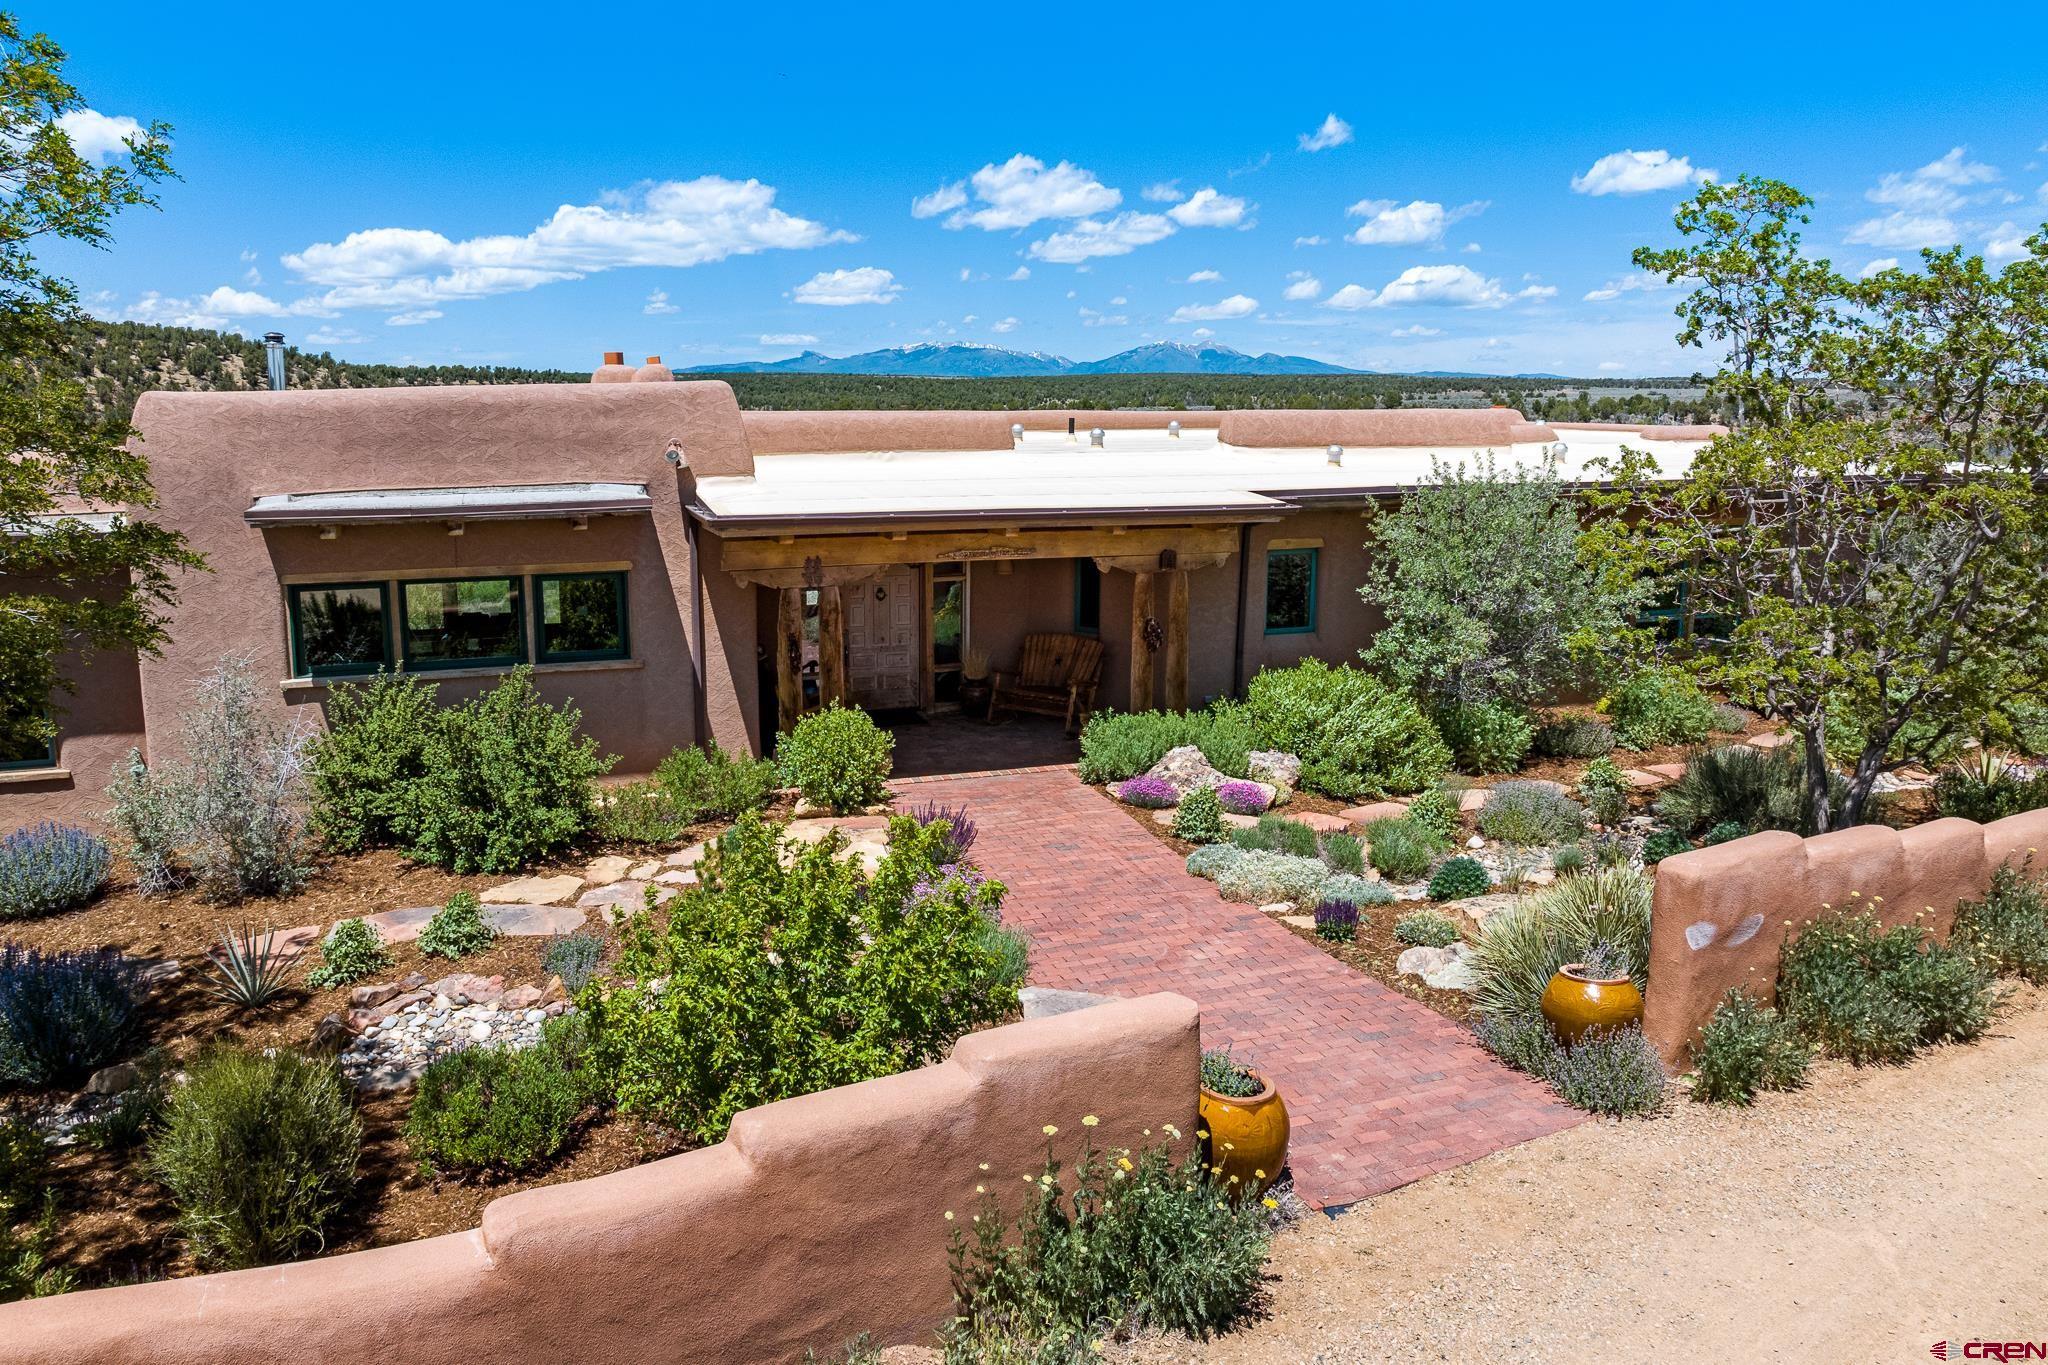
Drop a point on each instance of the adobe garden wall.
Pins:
(817, 1219)
(1722, 914)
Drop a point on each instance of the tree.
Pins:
(1487, 591)
(65, 582)
(1878, 526)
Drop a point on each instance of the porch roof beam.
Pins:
(985, 543)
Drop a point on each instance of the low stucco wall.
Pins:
(1722, 914)
(819, 1218)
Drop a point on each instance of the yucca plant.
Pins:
(249, 970)
(1522, 948)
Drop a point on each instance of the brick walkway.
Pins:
(1381, 1090)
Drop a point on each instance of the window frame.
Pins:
(295, 645)
(1314, 556)
(47, 760)
(543, 655)
(524, 650)
(1080, 578)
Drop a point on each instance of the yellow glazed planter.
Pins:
(1577, 1000)
(1247, 1136)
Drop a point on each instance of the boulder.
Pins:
(1274, 768)
(604, 871)
(554, 992)
(331, 1034)
(520, 998)
(1445, 969)
(363, 997)
(1375, 810)
(1471, 799)
(1185, 770)
(112, 1080)
(533, 891)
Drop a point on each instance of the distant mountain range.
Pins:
(968, 361)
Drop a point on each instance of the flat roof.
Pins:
(503, 502)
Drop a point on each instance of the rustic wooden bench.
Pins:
(1055, 675)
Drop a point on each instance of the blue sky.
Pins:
(1412, 190)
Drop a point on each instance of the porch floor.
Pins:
(949, 744)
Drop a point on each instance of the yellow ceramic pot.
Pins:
(1578, 999)
(1247, 1135)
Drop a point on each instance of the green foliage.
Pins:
(1224, 1075)
(1485, 737)
(1427, 929)
(501, 1109)
(1660, 706)
(1211, 860)
(1574, 736)
(48, 868)
(1278, 834)
(1662, 844)
(1117, 745)
(1009, 950)
(457, 929)
(1726, 832)
(1605, 790)
(1523, 946)
(249, 969)
(575, 958)
(1355, 736)
(258, 1151)
(636, 813)
(1127, 1239)
(1730, 719)
(709, 784)
(1746, 1048)
(1260, 877)
(28, 1215)
(1402, 848)
(1530, 814)
(838, 758)
(1871, 994)
(775, 978)
(1615, 1072)
(137, 1114)
(1437, 811)
(1344, 853)
(1459, 878)
(1199, 817)
(1987, 789)
(373, 754)
(1568, 861)
(351, 951)
(1347, 887)
(1742, 785)
(64, 1015)
(2007, 931)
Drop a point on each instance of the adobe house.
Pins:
(685, 571)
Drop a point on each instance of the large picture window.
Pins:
(24, 741)
(339, 628)
(463, 623)
(581, 616)
(1290, 591)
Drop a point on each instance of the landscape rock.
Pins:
(1042, 1002)
(390, 1053)
(644, 872)
(1770, 741)
(1278, 908)
(1640, 779)
(112, 1080)
(554, 992)
(686, 857)
(1185, 770)
(1375, 810)
(533, 891)
(1274, 768)
(362, 997)
(676, 877)
(1321, 823)
(412, 981)
(520, 998)
(467, 988)
(331, 1034)
(1670, 772)
(534, 921)
(1445, 969)
(1471, 799)
(606, 870)
(1299, 921)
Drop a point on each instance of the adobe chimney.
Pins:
(615, 370)
(653, 372)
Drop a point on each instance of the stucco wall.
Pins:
(1722, 914)
(98, 722)
(819, 1218)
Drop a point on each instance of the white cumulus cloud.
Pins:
(1633, 172)
(1878, 267)
(1206, 208)
(1310, 241)
(96, 136)
(1006, 325)
(1416, 330)
(1091, 237)
(1162, 192)
(1924, 203)
(840, 288)
(1635, 281)
(1303, 286)
(657, 304)
(1454, 286)
(1332, 132)
(413, 318)
(787, 339)
(1412, 224)
(1236, 306)
(1205, 277)
(944, 199)
(2007, 242)
(1020, 192)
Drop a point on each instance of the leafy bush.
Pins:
(1604, 789)
(351, 951)
(1223, 1074)
(1276, 833)
(1437, 811)
(1568, 861)
(1611, 851)
(1459, 878)
(1242, 798)
(1986, 788)
(1530, 814)
(364, 768)
(249, 969)
(1336, 920)
(1522, 947)
(27, 1198)
(64, 1015)
(637, 813)
(1200, 817)
(259, 1152)
(1730, 719)
(1659, 706)
(2007, 931)
(1210, 861)
(230, 815)
(960, 830)
(838, 758)
(1724, 833)
(1427, 929)
(508, 781)
(1117, 745)
(1485, 737)
(1127, 1239)
(1356, 737)
(48, 868)
(709, 784)
(1147, 792)
(500, 1109)
(1260, 877)
(1609, 1071)
(457, 929)
(1401, 848)
(1871, 994)
(1519, 1037)
(1008, 950)
(1745, 1048)
(1346, 887)
(1344, 853)
(1574, 736)
(1739, 784)
(1662, 844)
(575, 958)
(775, 978)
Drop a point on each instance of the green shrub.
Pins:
(1224, 1075)
(1260, 877)
(838, 758)
(1986, 788)
(637, 813)
(1360, 892)
(28, 1216)
(1426, 929)
(1530, 814)
(1278, 834)
(258, 1151)
(1485, 737)
(1604, 789)
(1126, 1239)
(1007, 951)
(1727, 832)
(48, 868)
(575, 958)
(1199, 817)
(1730, 719)
(1211, 860)
(508, 781)
(457, 929)
(1116, 746)
(709, 784)
(64, 1015)
(351, 951)
(1660, 706)
(2007, 931)
(1662, 844)
(1746, 1048)
(374, 752)
(1615, 1072)
(788, 970)
(1568, 861)
(1871, 994)
(500, 1109)
(1344, 853)
(1458, 879)
(1401, 848)
(250, 969)
(1739, 784)
(1437, 811)
(1521, 948)
(1574, 736)
(1356, 737)
(137, 1114)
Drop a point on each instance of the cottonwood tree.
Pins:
(63, 583)
(1877, 526)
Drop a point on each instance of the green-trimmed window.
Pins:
(24, 740)
(581, 616)
(1290, 591)
(339, 628)
(463, 622)
(1087, 598)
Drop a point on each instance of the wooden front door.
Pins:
(882, 654)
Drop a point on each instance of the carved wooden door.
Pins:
(882, 640)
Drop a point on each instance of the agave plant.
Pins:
(250, 969)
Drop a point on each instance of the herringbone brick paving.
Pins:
(1382, 1090)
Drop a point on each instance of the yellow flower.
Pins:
(1270, 1203)
(1202, 1133)
(984, 1165)
(1229, 1146)
(1089, 1121)
(1233, 1180)
(1050, 1129)
(1124, 1162)
(983, 1189)
(1259, 1175)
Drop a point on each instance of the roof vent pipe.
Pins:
(1095, 436)
(1335, 454)
(273, 359)
(1016, 431)
(1173, 429)
(1070, 428)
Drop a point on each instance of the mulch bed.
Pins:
(1374, 951)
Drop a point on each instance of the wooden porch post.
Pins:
(1177, 640)
(789, 683)
(1142, 598)
(831, 645)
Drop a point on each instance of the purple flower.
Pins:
(961, 838)
(1337, 920)
(946, 879)
(1241, 798)
(1153, 793)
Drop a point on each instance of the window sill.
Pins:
(495, 671)
(17, 776)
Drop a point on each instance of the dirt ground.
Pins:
(1864, 1218)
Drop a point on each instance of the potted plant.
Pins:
(1244, 1121)
(1596, 993)
(974, 684)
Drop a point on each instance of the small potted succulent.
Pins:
(1244, 1123)
(974, 684)
(1595, 992)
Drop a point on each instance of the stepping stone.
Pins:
(1236, 821)
(1042, 1002)
(533, 891)
(811, 831)
(1377, 810)
(1770, 741)
(686, 857)
(1670, 772)
(534, 921)
(1471, 799)
(1321, 823)
(677, 877)
(1277, 908)
(401, 926)
(285, 944)
(1639, 779)
(1299, 921)
(644, 872)
(604, 871)
(628, 893)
